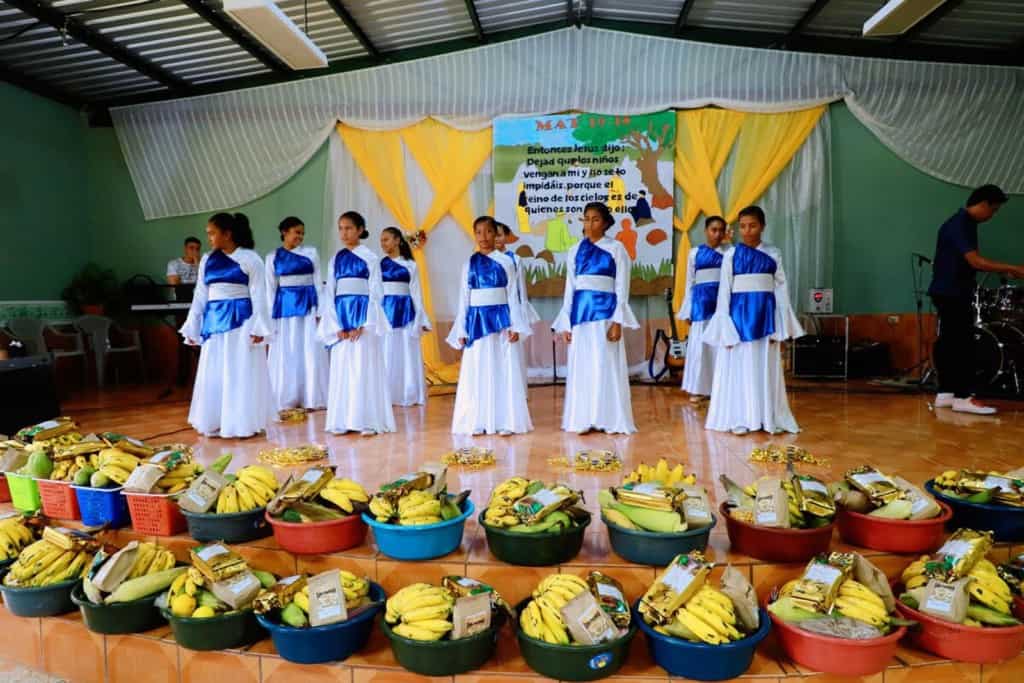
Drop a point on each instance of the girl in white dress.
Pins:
(351, 326)
(488, 327)
(407, 320)
(594, 311)
(752, 316)
(298, 361)
(501, 242)
(229, 319)
(703, 270)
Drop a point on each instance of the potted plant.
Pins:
(91, 290)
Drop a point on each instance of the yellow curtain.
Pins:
(450, 159)
(703, 140)
(767, 143)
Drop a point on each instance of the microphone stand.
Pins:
(924, 367)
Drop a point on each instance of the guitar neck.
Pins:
(671, 314)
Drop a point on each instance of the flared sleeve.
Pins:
(721, 330)
(252, 264)
(458, 331)
(271, 277)
(416, 292)
(563, 322)
(193, 328)
(318, 283)
(328, 328)
(516, 300)
(375, 318)
(691, 273)
(623, 273)
(787, 325)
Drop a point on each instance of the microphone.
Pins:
(921, 258)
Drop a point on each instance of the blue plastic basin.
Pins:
(1004, 521)
(332, 643)
(420, 542)
(700, 661)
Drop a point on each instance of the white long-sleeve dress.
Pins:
(403, 308)
(231, 397)
(703, 271)
(530, 314)
(752, 316)
(597, 295)
(357, 397)
(298, 360)
(491, 396)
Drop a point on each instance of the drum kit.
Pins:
(999, 338)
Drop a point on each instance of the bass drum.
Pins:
(999, 355)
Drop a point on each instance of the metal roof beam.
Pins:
(37, 87)
(353, 26)
(937, 15)
(475, 18)
(684, 14)
(230, 29)
(810, 15)
(97, 41)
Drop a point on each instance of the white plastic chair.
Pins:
(32, 333)
(97, 328)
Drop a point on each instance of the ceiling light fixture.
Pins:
(898, 17)
(272, 28)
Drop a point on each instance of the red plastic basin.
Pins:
(776, 545)
(319, 538)
(1018, 607)
(837, 655)
(962, 643)
(893, 535)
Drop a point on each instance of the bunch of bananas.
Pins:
(68, 469)
(661, 473)
(542, 617)
(296, 612)
(55, 443)
(150, 559)
(253, 487)
(44, 563)
(418, 507)
(179, 478)
(421, 612)
(857, 601)
(342, 493)
(114, 468)
(187, 596)
(499, 508)
(708, 617)
(14, 536)
(991, 597)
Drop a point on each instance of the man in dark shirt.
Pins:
(952, 290)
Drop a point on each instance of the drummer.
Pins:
(956, 261)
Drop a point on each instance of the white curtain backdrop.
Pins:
(961, 123)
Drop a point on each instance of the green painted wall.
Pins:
(884, 210)
(44, 213)
(122, 239)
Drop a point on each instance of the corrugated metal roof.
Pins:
(176, 46)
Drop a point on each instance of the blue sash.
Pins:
(486, 273)
(753, 313)
(224, 315)
(589, 305)
(293, 301)
(351, 308)
(398, 308)
(704, 297)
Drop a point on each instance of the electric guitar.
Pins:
(670, 349)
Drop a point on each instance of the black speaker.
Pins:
(28, 392)
(819, 356)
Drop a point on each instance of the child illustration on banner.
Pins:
(522, 209)
(627, 235)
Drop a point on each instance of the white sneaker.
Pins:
(740, 431)
(504, 432)
(369, 432)
(944, 400)
(971, 405)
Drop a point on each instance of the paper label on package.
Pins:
(311, 476)
(649, 488)
(869, 477)
(546, 497)
(822, 573)
(954, 548)
(203, 492)
(471, 615)
(814, 485)
(940, 598)
(211, 551)
(678, 578)
(608, 590)
(326, 598)
(143, 478)
(1000, 483)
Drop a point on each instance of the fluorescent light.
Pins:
(272, 28)
(899, 16)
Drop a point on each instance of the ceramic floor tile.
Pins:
(131, 659)
(280, 671)
(950, 672)
(279, 562)
(72, 652)
(26, 647)
(371, 676)
(512, 583)
(218, 667)
(377, 653)
(394, 575)
(1003, 672)
(360, 566)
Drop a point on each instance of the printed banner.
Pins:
(547, 168)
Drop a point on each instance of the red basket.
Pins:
(962, 643)
(775, 545)
(319, 538)
(837, 656)
(893, 535)
(5, 490)
(155, 514)
(1018, 607)
(58, 499)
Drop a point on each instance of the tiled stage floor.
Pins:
(897, 432)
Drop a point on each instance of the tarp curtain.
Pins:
(200, 154)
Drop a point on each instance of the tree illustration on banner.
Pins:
(644, 138)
